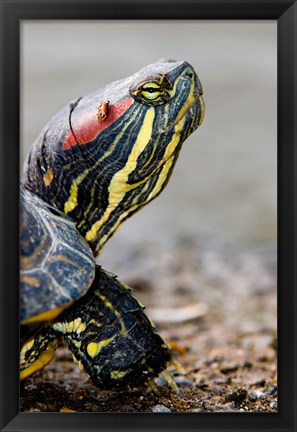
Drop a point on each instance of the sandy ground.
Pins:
(216, 306)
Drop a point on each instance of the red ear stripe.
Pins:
(88, 126)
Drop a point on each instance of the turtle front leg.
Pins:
(110, 336)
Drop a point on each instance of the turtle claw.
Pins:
(178, 366)
(170, 381)
(155, 386)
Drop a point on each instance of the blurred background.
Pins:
(223, 188)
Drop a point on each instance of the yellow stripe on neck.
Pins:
(71, 203)
(118, 185)
(167, 162)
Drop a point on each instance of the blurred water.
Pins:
(224, 184)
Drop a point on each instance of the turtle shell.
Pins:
(56, 264)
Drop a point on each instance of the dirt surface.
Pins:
(216, 306)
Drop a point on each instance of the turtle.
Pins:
(99, 160)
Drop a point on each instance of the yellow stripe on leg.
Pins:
(45, 358)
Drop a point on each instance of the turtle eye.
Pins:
(153, 92)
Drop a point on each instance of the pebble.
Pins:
(160, 408)
(183, 381)
(202, 385)
(271, 389)
(161, 381)
(237, 396)
(220, 407)
(261, 383)
(246, 364)
(31, 387)
(254, 395)
(259, 393)
(128, 409)
(273, 404)
(230, 369)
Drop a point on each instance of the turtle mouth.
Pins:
(189, 107)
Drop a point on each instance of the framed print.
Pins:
(203, 94)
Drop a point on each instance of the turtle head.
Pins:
(108, 154)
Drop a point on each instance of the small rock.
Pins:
(220, 407)
(215, 360)
(230, 369)
(127, 409)
(230, 406)
(160, 408)
(254, 395)
(201, 385)
(271, 389)
(238, 396)
(31, 387)
(261, 383)
(259, 394)
(183, 381)
(246, 364)
(273, 404)
(161, 381)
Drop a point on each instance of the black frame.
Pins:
(285, 12)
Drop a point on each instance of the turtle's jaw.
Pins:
(182, 127)
(194, 110)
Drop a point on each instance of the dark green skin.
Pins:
(140, 350)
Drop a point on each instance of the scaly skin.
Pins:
(101, 172)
